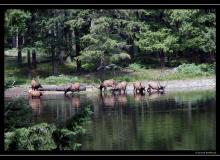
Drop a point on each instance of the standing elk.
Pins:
(72, 88)
(35, 85)
(138, 87)
(107, 83)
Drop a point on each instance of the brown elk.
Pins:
(36, 94)
(107, 83)
(72, 88)
(35, 84)
(121, 86)
(155, 86)
(138, 87)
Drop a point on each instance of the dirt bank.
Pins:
(171, 86)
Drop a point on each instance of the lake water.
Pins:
(183, 120)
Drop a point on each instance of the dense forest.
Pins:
(93, 39)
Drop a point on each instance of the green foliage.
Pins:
(61, 79)
(135, 66)
(189, 69)
(9, 82)
(17, 114)
(65, 139)
(208, 68)
(37, 137)
(45, 136)
(161, 40)
(196, 70)
(80, 118)
(15, 21)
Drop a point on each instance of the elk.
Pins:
(107, 83)
(121, 86)
(72, 87)
(138, 87)
(155, 86)
(34, 93)
(35, 84)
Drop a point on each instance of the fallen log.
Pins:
(59, 88)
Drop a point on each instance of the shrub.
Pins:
(17, 114)
(208, 68)
(9, 82)
(190, 69)
(89, 66)
(61, 79)
(38, 137)
(135, 66)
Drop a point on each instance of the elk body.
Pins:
(122, 86)
(107, 83)
(35, 85)
(73, 87)
(155, 86)
(138, 87)
(36, 94)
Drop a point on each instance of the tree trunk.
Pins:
(19, 60)
(14, 43)
(29, 58)
(77, 40)
(18, 46)
(34, 59)
(59, 88)
(29, 63)
(16, 40)
(211, 57)
(53, 59)
(162, 59)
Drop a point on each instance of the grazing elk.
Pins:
(36, 94)
(107, 83)
(138, 87)
(72, 88)
(121, 86)
(35, 85)
(155, 86)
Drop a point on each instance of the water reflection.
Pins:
(171, 121)
(74, 100)
(122, 99)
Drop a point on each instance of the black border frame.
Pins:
(107, 153)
